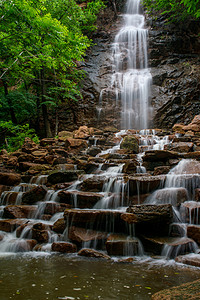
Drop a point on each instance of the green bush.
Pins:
(13, 136)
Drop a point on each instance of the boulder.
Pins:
(178, 128)
(63, 176)
(88, 167)
(34, 195)
(181, 147)
(130, 167)
(10, 225)
(157, 155)
(193, 232)
(189, 259)
(93, 151)
(29, 145)
(149, 219)
(185, 291)
(144, 184)
(9, 179)
(63, 135)
(80, 199)
(75, 145)
(194, 125)
(130, 143)
(93, 253)
(59, 226)
(51, 208)
(94, 184)
(161, 170)
(64, 247)
(101, 220)
(40, 233)
(120, 245)
(19, 211)
(174, 196)
(22, 245)
(83, 132)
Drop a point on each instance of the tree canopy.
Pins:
(41, 42)
(177, 9)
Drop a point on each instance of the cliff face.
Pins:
(174, 61)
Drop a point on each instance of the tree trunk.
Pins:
(57, 122)
(12, 113)
(47, 127)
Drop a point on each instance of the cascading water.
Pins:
(131, 77)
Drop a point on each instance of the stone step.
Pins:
(79, 199)
(122, 245)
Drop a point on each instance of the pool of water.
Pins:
(25, 277)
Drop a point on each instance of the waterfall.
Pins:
(131, 77)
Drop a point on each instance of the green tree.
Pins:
(41, 42)
(177, 9)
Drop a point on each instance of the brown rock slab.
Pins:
(144, 184)
(193, 232)
(181, 147)
(64, 247)
(82, 199)
(34, 195)
(19, 211)
(189, 259)
(63, 176)
(9, 179)
(94, 184)
(59, 226)
(10, 225)
(121, 245)
(93, 253)
(156, 155)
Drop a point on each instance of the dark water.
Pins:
(63, 277)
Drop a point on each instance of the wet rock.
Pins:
(188, 167)
(149, 218)
(120, 245)
(19, 211)
(144, 184)
(93, 184)
(161, 170)
(103, 220)
(190, 212)
(40, 233)
(93, 151)
(193, 232)
(180, 147)
(197, 194)
(64, 247)
(93, 253)
(177, 230)
(51, 208)
(189, 259)
(88, 167)
(185, 291)
(10, 179)
(62, 176)
(9, 198)
(130, 143)
(59, 226)
(80, 199)
(130, 167)
(4, 188)
(174, 196)
(156, 155)
(81, 235)
(34, 195)
(10, 225)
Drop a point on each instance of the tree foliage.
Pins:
(177, 9)
(41, 42)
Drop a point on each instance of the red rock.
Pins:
(59, 226)
(193, 232)
(64, 247)
(83, 132)
(83, 199)
(36, 194)
(92, 253)
(10, 225)
(194, 125)
(19, 211)
(9, 179)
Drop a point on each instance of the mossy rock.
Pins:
(130, 143)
